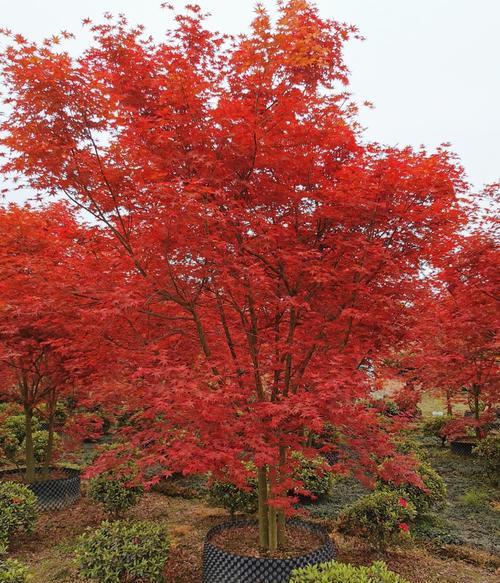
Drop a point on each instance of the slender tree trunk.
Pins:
(477, 411)
(273, 528)
(29, 453)
(49, 450)
(449, 408)
(263, 508)
(281, 513)
(272, 513)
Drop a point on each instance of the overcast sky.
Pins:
(430, 67)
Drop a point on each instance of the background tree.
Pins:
(40, 330)
(457, 335)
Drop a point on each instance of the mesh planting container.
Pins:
(220, 566)
(52, 494)
(463, 447)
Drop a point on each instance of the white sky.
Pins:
(430, 67)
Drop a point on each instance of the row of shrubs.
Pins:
(138, 551)
(121, 549)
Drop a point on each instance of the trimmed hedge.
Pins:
(233, 499)
(488, 453)
(17, 510)
(334, 572)
(380, 517)
(314, 478)
(433, 497)
(123, 551)
(113, 493)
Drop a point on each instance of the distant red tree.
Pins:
(267, 255)
(457, 334)
(37, 312)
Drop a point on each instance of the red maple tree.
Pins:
(268, 255)
(38, 320)
(456, 338)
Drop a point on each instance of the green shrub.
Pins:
(477, 499)
(12, 571)
(433, 497)
(17, 509)
(114, 493)
(434, 427)
(380, 517)
(488, 453)
(408, 445)
(12, 435)
(40, 442)
(334, 572)
(9, 446)
(233, 499)
(123, 551)
(61, 412)
(314, 479)
(391, 408)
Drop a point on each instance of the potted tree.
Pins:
(35, 341)
(267, 259)
(456, 338)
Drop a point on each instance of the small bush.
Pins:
(12, 435)
(9, 446)
(432, 498)
(12, 571)
(477, 499)
(61, 413)
(380, 517)
(123, 551)
(334, 572)
(40, 442)
(434, 427)
(314, 479)
(488, 453)
(17, 509)
(17, 424)
(114, 493)
(233, 499)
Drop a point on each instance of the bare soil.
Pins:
(244, 541)
(53, 474)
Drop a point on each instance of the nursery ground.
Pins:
(49, 551)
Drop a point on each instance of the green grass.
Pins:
(431, 402)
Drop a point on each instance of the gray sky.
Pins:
(430, 67)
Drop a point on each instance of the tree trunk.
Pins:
(29, 452)
(273, 528)
(477, 411)
(49, 450)
(281, 513)
(449, 409)
(263, 508)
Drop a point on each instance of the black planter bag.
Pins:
(463, 447)
(52, 494)
(220, 566)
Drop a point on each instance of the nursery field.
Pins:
(463, 548)
(241, 341)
